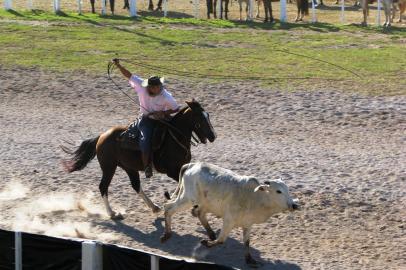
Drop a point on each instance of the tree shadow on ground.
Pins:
(189, 246)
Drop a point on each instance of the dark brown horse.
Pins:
(173, 153)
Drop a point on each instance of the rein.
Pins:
(110, 68)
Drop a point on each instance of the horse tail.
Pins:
(180, 182)
(81, 156)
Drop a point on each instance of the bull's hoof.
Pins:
(205, 242)
(118, 216)
(364, 24)
(165, 237)
(151, 8)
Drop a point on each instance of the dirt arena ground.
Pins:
(343, 155)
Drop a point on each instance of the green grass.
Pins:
(223, 49)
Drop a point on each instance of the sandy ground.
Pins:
(343, 155)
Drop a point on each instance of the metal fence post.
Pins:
(154, 262)
(378, 15)
(103, 10)
(133, 8)
(283, 11)
(92, 256)
(165, 8)
(8, 4)
(342, 18)
(18, 252)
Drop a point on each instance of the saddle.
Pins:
(129, 139)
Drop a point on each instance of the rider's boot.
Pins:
(147, 165)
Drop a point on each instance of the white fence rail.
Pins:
(195, 10)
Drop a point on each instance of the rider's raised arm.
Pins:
(123, 70)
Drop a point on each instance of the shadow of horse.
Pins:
(191, 247)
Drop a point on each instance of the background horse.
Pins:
(173, 153)
(212, 8)
(112, 3)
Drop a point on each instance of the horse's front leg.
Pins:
(150, 5)
(136, 184)
(92, 4)
(159, 7)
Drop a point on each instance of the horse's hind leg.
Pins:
(136, 184)
(92, 4)
(108, 173)
(112, 3)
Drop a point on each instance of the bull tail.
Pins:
(81, 156)
(180, 183)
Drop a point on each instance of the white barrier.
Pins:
(218, 8)
(251, 10)
(283, 11)
(18, 252)
(92, 256)
(165, 8)
(80, 7)
(342, 18)
(314, 19)
(133, 8)
(57, 6)
(103, 9)
(378, 15)
(196, 8)
(30, 5)
(8, 5)
(154, 262)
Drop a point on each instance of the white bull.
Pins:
(240, 200)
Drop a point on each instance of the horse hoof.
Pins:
(118, 216)
(156, 209)
(165, 237)
(212, 236)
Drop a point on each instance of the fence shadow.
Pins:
(188, 245)
(338, 8)
(160, 14)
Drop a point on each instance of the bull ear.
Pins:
(260, 188)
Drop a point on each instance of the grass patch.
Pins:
(221, 49)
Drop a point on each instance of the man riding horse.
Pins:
(171, 142)
(156, 103)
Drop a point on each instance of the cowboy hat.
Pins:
(153, 81)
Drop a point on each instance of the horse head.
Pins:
(201, 124)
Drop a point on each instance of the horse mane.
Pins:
(180, 112)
